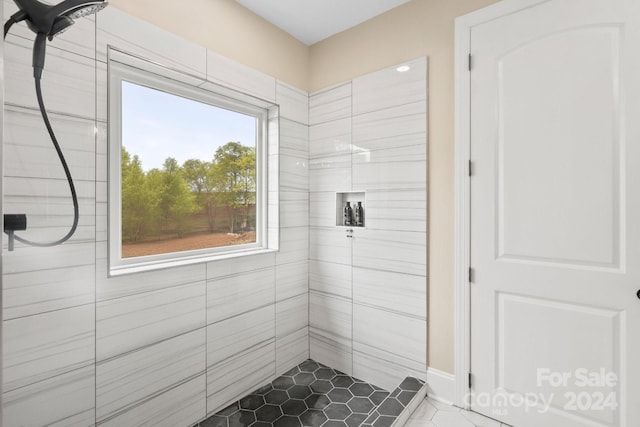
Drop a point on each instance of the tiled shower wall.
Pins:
(171, 346)
(368, 299)
(165, 347)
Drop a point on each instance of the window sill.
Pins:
(121, 270)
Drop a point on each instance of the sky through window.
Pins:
(157, 125)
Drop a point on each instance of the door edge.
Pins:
(462, 187)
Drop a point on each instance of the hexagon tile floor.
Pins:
(314, 395)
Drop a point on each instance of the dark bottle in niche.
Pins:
(359, 215)
(348, 215)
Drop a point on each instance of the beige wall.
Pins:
(228, 28)
(417, 28)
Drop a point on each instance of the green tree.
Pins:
(236, 177)
(139, 200)
(194, 172)
(201, 179)
(155, 183)
(246, 191)
(176, 200)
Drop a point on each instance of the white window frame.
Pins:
(123, 67)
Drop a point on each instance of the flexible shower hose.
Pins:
(43, 111)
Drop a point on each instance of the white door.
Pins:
(555, 215)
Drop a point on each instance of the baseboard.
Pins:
(441, 386)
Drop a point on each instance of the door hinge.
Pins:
(469, 62)
(470, 380)
(470, 275)
(470, 168)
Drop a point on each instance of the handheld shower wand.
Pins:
(48, 21)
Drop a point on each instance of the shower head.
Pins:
(52, 20)
(48, 21)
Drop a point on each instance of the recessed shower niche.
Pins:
(356, 201)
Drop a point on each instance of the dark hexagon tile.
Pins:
(341, 395)
(390, 407)
(361, 405)
(342, 381)
(282, 383)
(313, 418)
(327, 393)
(268, 413)
(321, 386)
(215, 421)
(304, 378)
(361, 389)
(299, 392)
(251, 402)
(291, 372)
(337, 411)
(263, 390)
(287, 421)
(276, 397)
(317, 401)
(405, 397)
(395, 392)
(309, 366)
(355, 420)
(242, 419)
(384, 421)
(378, 397)
(293, 407)
(229, 409)
(411, 384)
(325, 373)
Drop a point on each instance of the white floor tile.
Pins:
(443, 406)
(480, 420)
(425, 411)
(415, 422)
(451, 419)
(432, 413)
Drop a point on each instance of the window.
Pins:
(188, 169)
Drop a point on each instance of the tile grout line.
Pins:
(95, 244)
(351, 243)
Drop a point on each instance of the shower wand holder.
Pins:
(13, 223)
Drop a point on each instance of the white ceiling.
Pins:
(313, 20)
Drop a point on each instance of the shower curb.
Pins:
(396, 409)
(411, 407)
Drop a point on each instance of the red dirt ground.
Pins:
(198, 241)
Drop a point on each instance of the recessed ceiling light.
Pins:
(403, 68)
